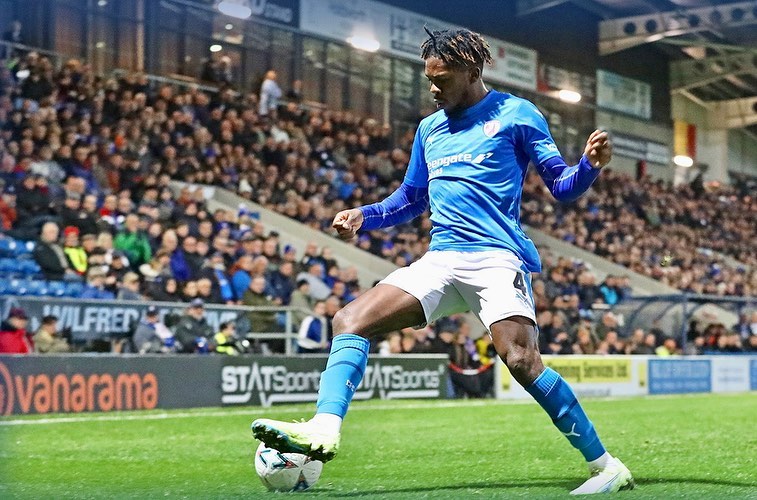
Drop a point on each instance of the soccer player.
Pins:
(469, 162)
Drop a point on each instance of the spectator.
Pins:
(647, 347)
(319, 290)
(270, 93)
(260, 321)
(294, 94)
(133, 242)
(312, 337)
(77, 257)
(609, 323)
(392, 344)
(167, 291)
(33, 203)
(226, 340)
(301, 298)
(129, 289)
(50, 256)
(13, 335)
(47, 340)
(281, 283)
(241, 275)
(151, 335)
(585, 343)
(668, 348)
(193, 331)
(609, 291)
(95, 286)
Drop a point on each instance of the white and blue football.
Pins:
(286, 471)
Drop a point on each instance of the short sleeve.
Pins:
(533, 132)
(417, 172)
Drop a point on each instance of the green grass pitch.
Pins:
(677, 447)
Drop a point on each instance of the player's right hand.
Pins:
(347, 223)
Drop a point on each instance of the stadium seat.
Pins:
(56, 288)
(74, 289)
(36, 287)
(7, 247)
(29, 267)
(6, 265)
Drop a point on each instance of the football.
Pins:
(286, 471)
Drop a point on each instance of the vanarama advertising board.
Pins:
(74, 383)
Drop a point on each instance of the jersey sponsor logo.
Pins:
(482, 157)
(445, 161)
(492, 127)
(434, 166)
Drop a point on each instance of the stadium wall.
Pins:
(85, 383)
(647, 134)
(612, 376)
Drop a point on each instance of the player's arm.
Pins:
(566, 183)
(406, 203)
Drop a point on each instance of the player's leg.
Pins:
(498, 289)
(382, 309)
(379, 310)
(407, 297)
(515, 339)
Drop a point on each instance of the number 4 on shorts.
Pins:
(520, 283)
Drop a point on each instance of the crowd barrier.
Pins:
(603, 376)
(100, 383)
(108, 319)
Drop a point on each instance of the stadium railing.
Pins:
(673, 313)
(111, 320)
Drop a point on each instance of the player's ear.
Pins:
(474, 73)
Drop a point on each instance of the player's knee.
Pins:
(524, 363)
(342, 322)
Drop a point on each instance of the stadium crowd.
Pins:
(85, 171)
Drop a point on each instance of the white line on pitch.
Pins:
(250, 411)
(300, 409)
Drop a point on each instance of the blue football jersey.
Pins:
(474, 164)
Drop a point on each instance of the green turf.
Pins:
(677, 447)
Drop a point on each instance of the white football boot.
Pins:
(612, 478)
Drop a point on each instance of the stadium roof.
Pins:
(712, 46)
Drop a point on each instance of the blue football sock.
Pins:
(554, 394)
(344, 371)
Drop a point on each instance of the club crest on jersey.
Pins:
(491, 128)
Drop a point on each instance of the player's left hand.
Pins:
(598, 149)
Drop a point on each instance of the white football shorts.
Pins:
(494, 285)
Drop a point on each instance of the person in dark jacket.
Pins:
(50, 256)
(32, 200)
(14, 338)
(193, 331)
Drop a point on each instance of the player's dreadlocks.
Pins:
(459, 48)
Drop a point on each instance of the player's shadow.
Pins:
(641, 481)
(557, 483)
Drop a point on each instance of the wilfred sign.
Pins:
(290, 380)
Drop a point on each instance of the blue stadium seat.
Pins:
(36, 287)
(25, 248)
(10, 267)
(18, 287)
(7, 246)
(56, 288)
(74, 289)
(29, 267)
